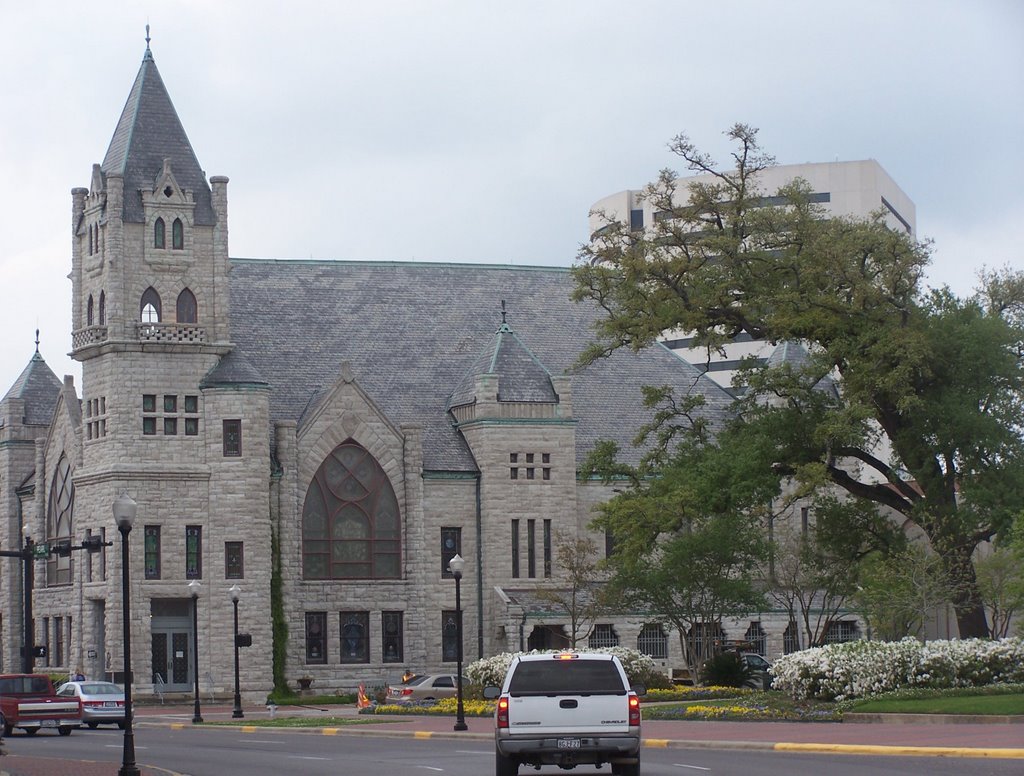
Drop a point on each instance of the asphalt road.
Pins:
(210, 751)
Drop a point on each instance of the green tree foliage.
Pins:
(1001, 580)
(897, 592)
(934, 377)
(685, 553)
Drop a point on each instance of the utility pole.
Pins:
(28, 555)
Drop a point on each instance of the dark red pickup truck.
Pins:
(29, 702)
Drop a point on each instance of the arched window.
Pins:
(90, 239)
(159, 234)
(59, 515)
(88, 311)
(177, 235)
(653, 641)
(103, 308)
(351, 525)
(149, 307)
(186, 308)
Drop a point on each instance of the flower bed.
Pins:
(858, 669)
(445, 707)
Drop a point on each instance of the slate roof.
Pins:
(148, 132)
(39, 387)
(413, 331)
(797, 358)
(521, 376)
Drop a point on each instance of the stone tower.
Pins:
(169, 413)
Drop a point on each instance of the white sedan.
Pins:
(102, 702)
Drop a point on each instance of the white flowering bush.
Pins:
(859, 668)
(491, 671)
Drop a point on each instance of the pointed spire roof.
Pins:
(521, 375)
(38, 387)
(148, 132)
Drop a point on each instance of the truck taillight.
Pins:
(634, 710)
(501, 718)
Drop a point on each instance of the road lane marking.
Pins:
(695, 767)
(308, 757)
(430, 768)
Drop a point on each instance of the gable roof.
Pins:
(39, 387)
(148, 132)
(412, 332)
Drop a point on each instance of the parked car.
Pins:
(760, 679)
(428, 687)
(566, 709)
(28, 701)
(102, 702)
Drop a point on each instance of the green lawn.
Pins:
(970, 704)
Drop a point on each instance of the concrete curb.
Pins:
(651, 743)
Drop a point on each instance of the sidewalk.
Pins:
(894, 735)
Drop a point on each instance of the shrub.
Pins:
(726, 669)
(640, 668)
(857, 669)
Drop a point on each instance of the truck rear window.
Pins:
(566, 677)
(25, 685)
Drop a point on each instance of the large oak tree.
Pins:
(910, 399)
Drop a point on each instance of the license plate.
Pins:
(48, 723)
(568, 743)
(110, 704)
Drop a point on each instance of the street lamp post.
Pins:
(194, 587)
(236, 592)
(125, 509)
(457, 564)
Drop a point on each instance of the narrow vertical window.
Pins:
(88, 557)
(103, 555)
(391, 637)
(234, 560)
(149, 306)
(151, 548)
(159, 234)
(89, 311)
(46, 639)
(547, 549)
(355, 639)
(193, 552)
(449, 636)
(531, 553)
(177, 235)
(232, 438)
(451, 545)
(515, 549)
(805, 520)
(58, 641)
(316, 637)
(103, 308)
(186, 308)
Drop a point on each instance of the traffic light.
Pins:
(93, 543)
(62, 548)
(243, 640)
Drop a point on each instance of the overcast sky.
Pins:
(478, 131)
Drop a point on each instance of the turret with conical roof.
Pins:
(150, 248)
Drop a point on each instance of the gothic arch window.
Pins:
(159, 234)
(90, 239)
(88, 311)
(351, 524)
(103, 308)
(59, 515)
(177, 235)
(149, 307)
(186, 307)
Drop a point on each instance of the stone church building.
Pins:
(324, 434)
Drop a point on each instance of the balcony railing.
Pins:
(170, 332)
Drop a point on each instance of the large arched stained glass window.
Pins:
(351, 525)
(59, 515)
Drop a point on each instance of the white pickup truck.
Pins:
(566, 709)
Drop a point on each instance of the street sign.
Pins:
(41, 551)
